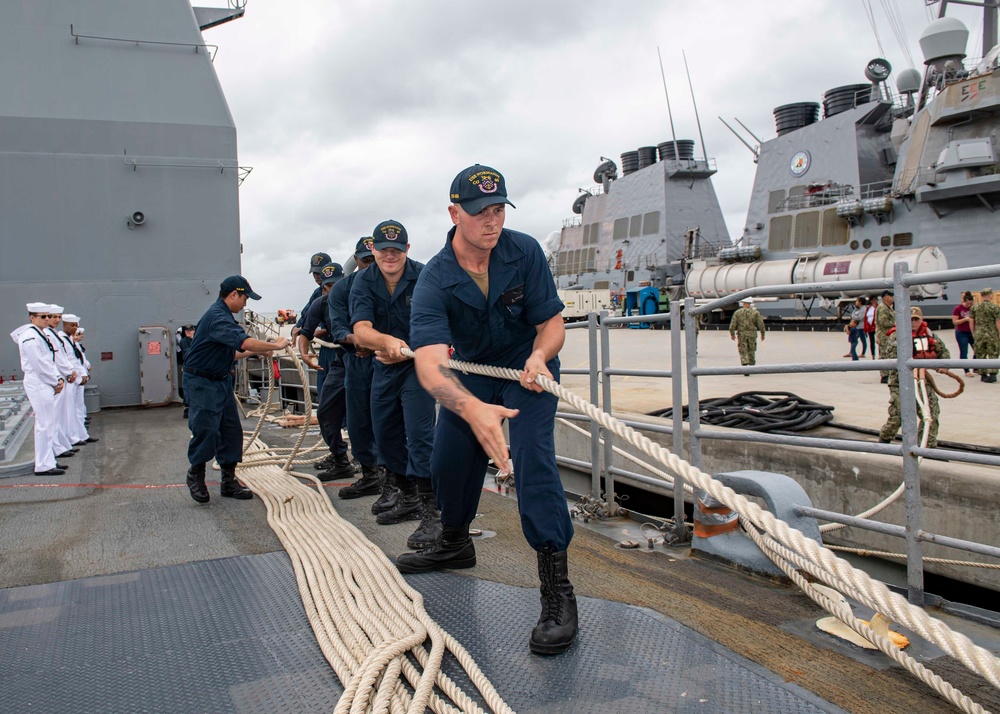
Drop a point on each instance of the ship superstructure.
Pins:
(119, 176)
(887, 174)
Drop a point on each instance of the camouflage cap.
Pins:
(986, 291)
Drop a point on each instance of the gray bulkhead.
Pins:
(91, 131)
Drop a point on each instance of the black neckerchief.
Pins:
(46, 341)
(69, 340)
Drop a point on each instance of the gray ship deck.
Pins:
(122, 595)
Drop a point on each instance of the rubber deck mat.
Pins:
(230, 635)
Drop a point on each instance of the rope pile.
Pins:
(369, 623)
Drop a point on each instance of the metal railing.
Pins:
(601, 371)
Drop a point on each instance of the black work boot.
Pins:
(338, 469)
(557, 625)
(407, 506)
(452, 551)
(196, 483)
(390, 493)
(369, 484)
(324, 463)
(430, 527)
(231, 488)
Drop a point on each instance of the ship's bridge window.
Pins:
(902, 239)
(807, 229)
(621, 229)
(635, 227)
(586, 235)
(795, 197)
(774, 201)
(779, 237)
(651, 223)
(595, 233)
(563, 258)
(834, 229)
(591, 252)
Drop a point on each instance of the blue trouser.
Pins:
(332, 405)
(458, 464)
(358, 385)
(857, 333)
(403, 416)
(216, 429)
(325, 358)
(964, 339)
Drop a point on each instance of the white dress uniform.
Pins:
(41, 377)
(64, 441)
(75, 409)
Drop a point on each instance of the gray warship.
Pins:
(888, 174)
(119, 166)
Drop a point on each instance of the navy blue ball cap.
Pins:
(317, 262)
(478, 187)
(364, 247)
(240, 285)
(331, 272)
(389, 234)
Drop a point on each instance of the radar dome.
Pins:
(945, 37)
(908, 81)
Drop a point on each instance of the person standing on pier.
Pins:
(489, 294)
(986, 332)
(743, 328)
(885, 320)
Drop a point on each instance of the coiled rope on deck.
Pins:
(369, 623)
(795, 548)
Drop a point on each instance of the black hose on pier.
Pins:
(778, 412)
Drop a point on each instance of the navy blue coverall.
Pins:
(325, 353)
(358, 371)
(216, 429)
(331, 406)
(402, 411)
(450, 309)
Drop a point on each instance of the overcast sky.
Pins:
(355, 111)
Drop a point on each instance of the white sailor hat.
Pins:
(56, 309)
(37, 307)
(67, 317)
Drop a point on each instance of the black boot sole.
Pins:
(239, 495)
(398, 518)
(447, 565)
(550, 649)
(352, 492)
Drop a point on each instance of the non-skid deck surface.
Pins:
(230, 635)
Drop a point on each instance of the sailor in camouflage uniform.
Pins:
(985, 316)
(743, 328)
(925, 346)
(885, 320)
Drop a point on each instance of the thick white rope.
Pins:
(784, 558)
(824, 564)
(367, 620)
